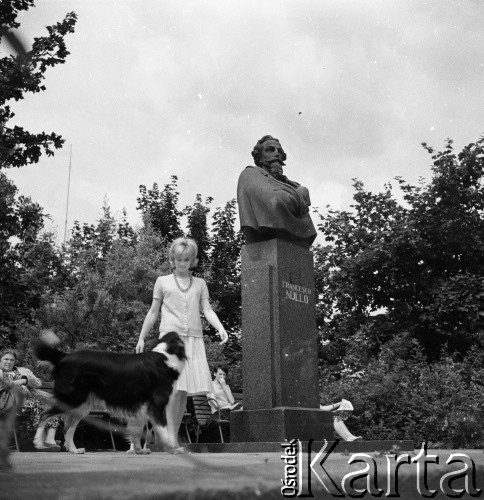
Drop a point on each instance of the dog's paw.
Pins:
(144, 451)
(78, 451)
(131, 451)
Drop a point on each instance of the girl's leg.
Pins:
(182, 404)
(181, 408)
(174, 415)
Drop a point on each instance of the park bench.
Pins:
(203, 416)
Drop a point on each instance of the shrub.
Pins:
(401, 396)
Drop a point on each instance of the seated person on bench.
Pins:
(34, 398)
(222, 393)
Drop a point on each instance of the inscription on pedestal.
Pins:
(295, 292)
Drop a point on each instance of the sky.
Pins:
(155, 88)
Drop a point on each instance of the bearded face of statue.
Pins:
(271, 158)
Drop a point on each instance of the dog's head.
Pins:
(172, 346)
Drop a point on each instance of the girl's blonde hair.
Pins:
(183, 245)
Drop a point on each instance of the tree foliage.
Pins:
(21, 75)
(30, 264)
(28, 261)
(90, 244)
(411, 267)
(160, 208)
(106, 304)
(400, 395)
(225, 265)
(197, 226)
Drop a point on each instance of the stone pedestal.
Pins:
(281, 423)
(279, 347)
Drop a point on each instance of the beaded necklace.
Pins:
(184, 290)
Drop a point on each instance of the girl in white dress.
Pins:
(180, 296)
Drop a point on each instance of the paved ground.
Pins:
(116, 475)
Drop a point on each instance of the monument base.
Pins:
(279, 333)
(280, 423)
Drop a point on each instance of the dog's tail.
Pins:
(44, 347)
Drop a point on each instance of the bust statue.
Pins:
(271, 205)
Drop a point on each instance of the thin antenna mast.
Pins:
(68, 192)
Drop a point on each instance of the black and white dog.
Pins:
(136, 387)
